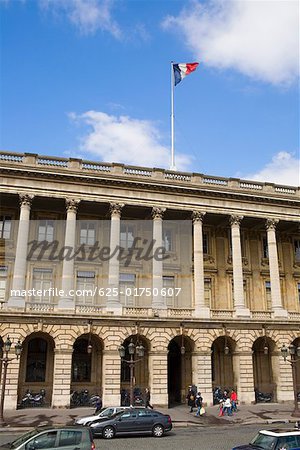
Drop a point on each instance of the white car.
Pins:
(104, 412)
(279, 439)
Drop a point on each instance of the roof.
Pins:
(281, 432)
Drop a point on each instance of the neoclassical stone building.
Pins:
(212, 305)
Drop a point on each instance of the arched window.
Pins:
(36, 360)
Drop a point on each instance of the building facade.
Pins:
(208, 280)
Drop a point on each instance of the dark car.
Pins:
(48, 438)
(133, 421)
(274, 440)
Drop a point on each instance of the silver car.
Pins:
(104, 412)
(48, 438)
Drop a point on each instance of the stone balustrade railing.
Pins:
(126, 171)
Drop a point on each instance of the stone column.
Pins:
(277, 305)
(201, 366)
(201, 310)
(67, 301)
(158, 301)
(237, 266)
(158, 383)
(111, 369)
(62, 378)
(243, 371)
(16, 300)
(113, 302)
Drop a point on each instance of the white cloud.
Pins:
(88, 15)
(123, 139)
(259, 38)
(283, 169)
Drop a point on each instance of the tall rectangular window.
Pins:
(85, 285)
(297, 249)
(205, 243)
(207, 292)
(268, 295)
(126, 289)
(265, 248)
(169, 285)
(5, 227)
(167, 240)
(46, 230)
(126, 236)
(3, 281)
(87, 233)
(42, 280)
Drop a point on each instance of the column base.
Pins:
(60, 401)
(114, 308)
(279, 313)
(66, 304)
(16, 302)
(242, 312)
(202, 312)
(109, 399)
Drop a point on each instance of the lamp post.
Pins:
(6, 360)
(293, 352)
(132, 349)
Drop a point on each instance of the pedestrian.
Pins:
(233, 399)
(191, 399)
(147, 399)
(199, 404)
(227, 407)
(98, 404)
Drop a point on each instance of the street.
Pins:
(188, 438)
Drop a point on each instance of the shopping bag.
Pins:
(202, 411)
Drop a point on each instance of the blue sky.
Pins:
(91, 79)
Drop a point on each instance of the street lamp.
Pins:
(6, 360)
(132, 349)
(293, 352)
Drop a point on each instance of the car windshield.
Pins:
(20, 440)
(264, 441)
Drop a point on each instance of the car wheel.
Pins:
(157, 430)
(108, 433)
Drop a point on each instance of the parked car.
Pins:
(104, 412)
(48, 438)
(132, 421)
(280, 439)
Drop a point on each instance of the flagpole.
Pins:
(172, 167)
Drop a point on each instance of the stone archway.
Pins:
(87, 366)
(222, 351)
(263, 354)
(37, 366)
(179, 369)
(140, 371)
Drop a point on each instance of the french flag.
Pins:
(182, 70)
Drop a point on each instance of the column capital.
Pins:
(115, 209)
(25, 199)
(235, 220)
(198, 216)
(157, 213)
(271, 224)
(72, 204)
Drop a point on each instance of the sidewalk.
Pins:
(247, 414)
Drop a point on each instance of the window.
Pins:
(5, 227)
(169, 285)
(298, 285)
(3, 280)
(126, 289)
(297, 249)
(86, 285)
(265, 248)
(207, 292)
(205, 244)
(45, 440)
(268, 295)
(87, 233)
(81, 362)
(69, 437)
(46, 230)
(36, 360)
(126, 236)
(42, 282)
(167, 240)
